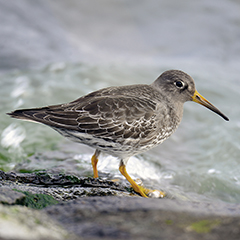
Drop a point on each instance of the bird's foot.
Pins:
(145, 192)
(154, 193)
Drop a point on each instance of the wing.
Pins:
(117, 116)
(100, 116)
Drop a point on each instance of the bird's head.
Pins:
(180, 87)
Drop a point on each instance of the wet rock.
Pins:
(47, 179)
(37, 201)
(93, 209)
(10, 197)
(61, 187)
(38, 190)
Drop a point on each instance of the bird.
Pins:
(123, 121)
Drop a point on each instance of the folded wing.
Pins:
(100, 116)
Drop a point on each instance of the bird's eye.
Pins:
(179, 84)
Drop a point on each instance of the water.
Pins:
(201, 160)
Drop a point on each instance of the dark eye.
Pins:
(179, 84)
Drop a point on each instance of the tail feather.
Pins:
(53, 116)
(28, 114)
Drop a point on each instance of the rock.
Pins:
(139, 218)
(99, 209)
(62, 187)
(10, 197)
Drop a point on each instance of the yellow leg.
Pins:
(144, 192)
(136, 188)
(94, 163)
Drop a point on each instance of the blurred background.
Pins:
(55, 51)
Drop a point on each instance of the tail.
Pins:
(53, 116)
(34, 114)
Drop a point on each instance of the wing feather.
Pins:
(111, 116)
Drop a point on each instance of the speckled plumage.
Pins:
(121, 121)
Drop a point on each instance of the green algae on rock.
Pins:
(36, 201)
